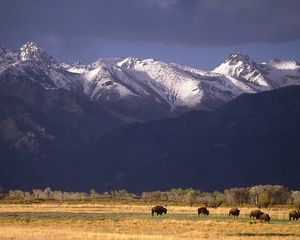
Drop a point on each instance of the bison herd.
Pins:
(234, 212)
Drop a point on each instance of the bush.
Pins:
(296, 199)
(94, 194)
(177, 195)
(105, 195)
(236, 196)
(155, 196)
(264, 201)
(121, 194)
(16, 194)
(191, 196)
(268, 195)
(214, 199)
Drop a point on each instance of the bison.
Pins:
(294, 215)
(256, 214)
(265, 217)
(203, 211)
(159, 210)
(234, 212)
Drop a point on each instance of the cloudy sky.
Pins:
(199, 33)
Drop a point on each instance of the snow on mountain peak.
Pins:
(243, 68)
(235, 64)
(173, 85)
(32, 52)
(128, 62)
(234, 58)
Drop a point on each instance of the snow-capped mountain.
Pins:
(148, 89)
(260, 76)
(182, 87)
(173, 85)
(60, 122)
(34, 63)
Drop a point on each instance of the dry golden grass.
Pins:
(127, 221)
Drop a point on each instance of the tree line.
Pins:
(261, 196)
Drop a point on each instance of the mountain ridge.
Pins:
(148, 89)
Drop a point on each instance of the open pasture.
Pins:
(134, 221)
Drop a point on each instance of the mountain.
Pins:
(141, 90)
(180, 88)
(33, 63)
(172, 87)
(260, 76)
(253, 139)
(43, 117)
(67, 125)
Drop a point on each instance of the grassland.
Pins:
(133, 221)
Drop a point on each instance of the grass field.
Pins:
(134, 221)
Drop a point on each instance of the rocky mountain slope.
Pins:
(253, 139)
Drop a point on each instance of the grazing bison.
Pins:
(256, 214)
(203, 211)
(294, 215)
(234, 212)
(265, 217)
(159, 210)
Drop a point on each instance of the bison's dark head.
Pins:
(165, 211)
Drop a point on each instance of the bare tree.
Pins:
(214, 199)
(191, 196)
(237, 196)
(296, 199)
(268, 195)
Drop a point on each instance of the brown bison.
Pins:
(294, 215)
(159, 210)
(265, 217)
(203, 211)
(234, 212)
(256, 214)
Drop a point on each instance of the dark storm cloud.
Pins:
(186, 22)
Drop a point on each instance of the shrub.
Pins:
(155, 196)
(296, 199)
(94, 194)
(214, 199)
(191, 196)
(268, 195)
(237, 196)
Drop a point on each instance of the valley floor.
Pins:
(133, 221)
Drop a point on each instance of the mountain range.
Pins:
(146, 89)
(77, 126)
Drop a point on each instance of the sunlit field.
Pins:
(134, 221)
